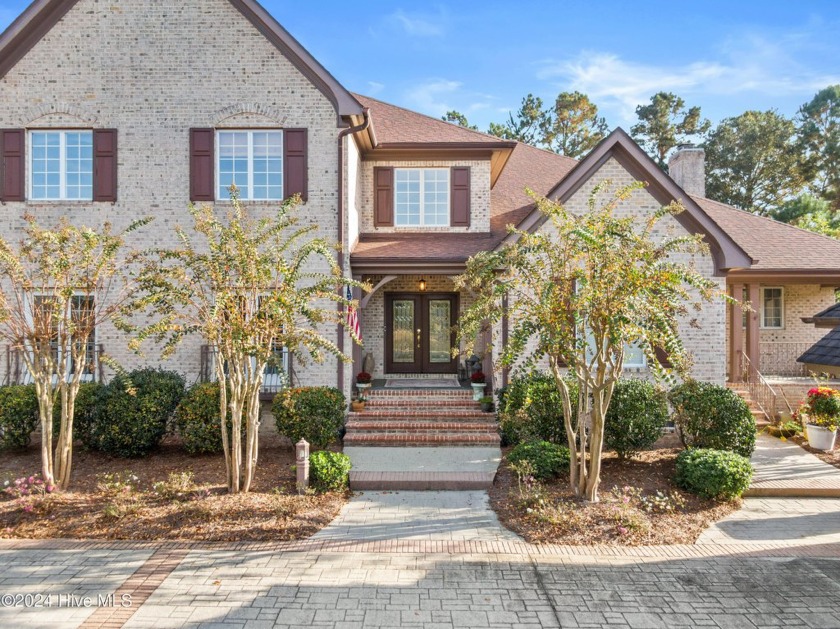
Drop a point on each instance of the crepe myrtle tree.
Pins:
(59, 285)
(577, 292)
(248, 286)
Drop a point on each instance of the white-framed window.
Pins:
(61, 165)
(634, 357)
(82, 306)
(772, 307)
(421, 197)
(253, 160)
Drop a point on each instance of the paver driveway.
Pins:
(379, 566)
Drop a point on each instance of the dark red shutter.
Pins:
(295, 163)
(383, 196)
(105, 165)
(12, 165)
(460, 201)
(663, 357)
(202, 169)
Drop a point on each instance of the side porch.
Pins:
(766, 338)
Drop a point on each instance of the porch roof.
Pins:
(828, 318)
(826, 351)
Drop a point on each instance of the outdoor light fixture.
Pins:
(422, 285)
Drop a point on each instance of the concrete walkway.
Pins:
(449, 516)
(783, 469)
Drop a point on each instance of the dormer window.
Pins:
(421, 197)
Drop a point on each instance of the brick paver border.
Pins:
(140, 586)
(787, 548)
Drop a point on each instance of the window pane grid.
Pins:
(253, 160)
(62, 165)
(773, 308)
(421, 197)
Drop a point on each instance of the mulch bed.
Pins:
(271, 511)
(630, 513)
(832, 458)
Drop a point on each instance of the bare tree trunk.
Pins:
(571, 430)
(252, 428)
(45, 410)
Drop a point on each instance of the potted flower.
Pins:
(363, 380)
(357, 405)
(486, 404)
(479, 382)
(820, 412)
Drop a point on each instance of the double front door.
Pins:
(419, 332)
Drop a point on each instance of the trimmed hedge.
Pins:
(637, 413)
(133, 412)
(329, 471)
(197, 419)
(312, 413)
(714, 474)
(549, 459)
(19, 415)
(711, 416)
(531, 408)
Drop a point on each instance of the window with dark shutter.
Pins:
(460, 197)
(105, 165)
(202, 160)
(12, 169)
(383, 196)
(295, 163)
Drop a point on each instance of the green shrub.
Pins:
(531, 408)
(548, 459)
(638, 411)
(713, 473)
(329, 471)
(19, 415)
(312, 413)
(711, 416)
(84, 411)
(197, 419)
(133, 412)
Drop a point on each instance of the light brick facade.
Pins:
(479, 195)
(153, 70)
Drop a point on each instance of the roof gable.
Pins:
(42, 15)
(621, 147)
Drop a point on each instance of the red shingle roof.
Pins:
(773, 245)
(395, 125)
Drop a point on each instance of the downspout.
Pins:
(344, 133)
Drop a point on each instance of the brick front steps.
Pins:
(422, 439)
(741, 391)
(418, 417)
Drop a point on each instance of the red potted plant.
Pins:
(478, 380)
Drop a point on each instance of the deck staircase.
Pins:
(762, 418)
(422, 439)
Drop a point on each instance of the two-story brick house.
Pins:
(110, 111)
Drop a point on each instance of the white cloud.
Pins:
(433, 97)
(749, 64)
(375, 87)
(421, 24)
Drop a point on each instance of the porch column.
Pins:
(736, 332)
(357, 349)
(753, 347)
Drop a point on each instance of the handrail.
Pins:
(761, 392)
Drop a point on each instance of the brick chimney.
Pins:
(687, 167)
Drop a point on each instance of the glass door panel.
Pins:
(440, 315)
(403, 330)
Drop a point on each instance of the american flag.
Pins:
(353, 317)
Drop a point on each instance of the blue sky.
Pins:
(482, 57)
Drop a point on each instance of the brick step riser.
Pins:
(419, 415)
(421, 440)
(358, 427)
(455, 394)
(380, 403)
